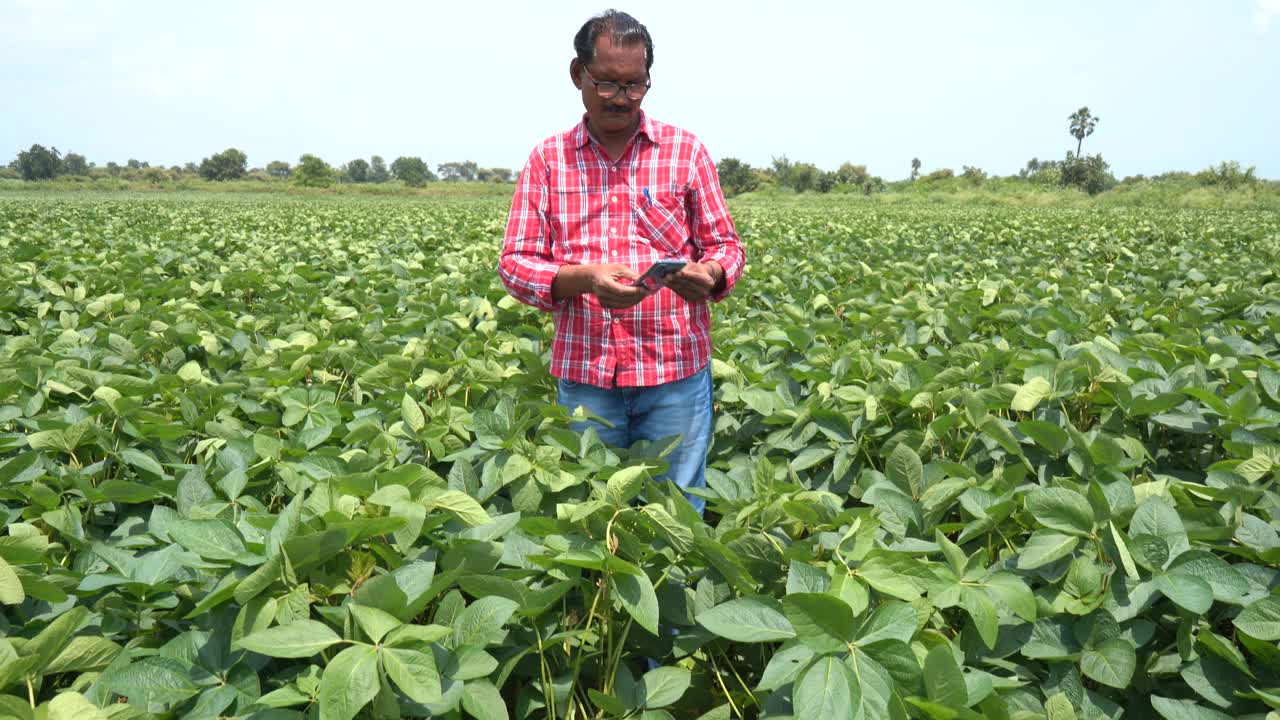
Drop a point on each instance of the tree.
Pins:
(975, 175)
(39, 163)
(230, 164)
(457, 171)
(113, 168)
(1089, 173)
(850, 174)
(736, 177)
(412, 171)
(313, 172)
(279, 169)
(915, 168)
(493, 175)
(1082, 124)
(74, 164)
(357, 171)
(378, 170)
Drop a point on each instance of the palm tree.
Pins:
(1082, 124)
(915, 168)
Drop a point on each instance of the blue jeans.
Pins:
(681, 407)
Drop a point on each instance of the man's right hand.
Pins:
(610, 283)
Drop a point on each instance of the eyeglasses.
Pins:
(608, 89)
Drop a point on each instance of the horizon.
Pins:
(1177, 86)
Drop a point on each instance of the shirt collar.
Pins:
(582, 136)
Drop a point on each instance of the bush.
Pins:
(1088, 173)
(1227, 175)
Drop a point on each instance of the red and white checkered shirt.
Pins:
(573, 206)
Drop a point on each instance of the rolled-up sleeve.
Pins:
(713, 230)
(527, 265)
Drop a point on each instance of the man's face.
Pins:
(616, 63)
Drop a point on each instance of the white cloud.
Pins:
(1264, 11)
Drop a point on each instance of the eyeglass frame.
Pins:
(622, 87)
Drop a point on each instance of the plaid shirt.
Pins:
(574, 207)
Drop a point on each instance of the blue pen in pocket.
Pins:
(648, 199)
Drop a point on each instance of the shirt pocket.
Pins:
(572, 206)
(662, 218)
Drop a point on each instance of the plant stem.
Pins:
(548, 689)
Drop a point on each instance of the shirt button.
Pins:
(612, 230)
(613, 198)
(613, 253)
(617, 319)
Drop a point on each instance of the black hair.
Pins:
(623, 30)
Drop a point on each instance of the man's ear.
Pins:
(575, 73)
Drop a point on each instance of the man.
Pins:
(595, 207)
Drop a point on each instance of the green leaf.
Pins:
(822, 622)
(1171, 709)
(1061, 509)
(1059, 707)
(1155, 517)
(1111, 663)
(625, 483)
(411, 413)
(1031, 394)
(482, 620)
(637, 596)
(142, 461)
(374, 622)
(1188, 592)
(826, 689)
(482, 701)
(1261, 620)
(299, 639)
(1228, 584)
(460, 504)
(758, 619)
(664, 686)
(83, 653)
(349, 682)
(155, 679)
(71, 705)
(414, 672)
(890, 621)
(983, 613)
(1045, 546)
(1045, 434)
(943, 681)
(903, 468)
(210, 539)
(11, 592)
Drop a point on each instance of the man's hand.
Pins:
(696, 281)
(610, 283)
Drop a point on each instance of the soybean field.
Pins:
(280, 458)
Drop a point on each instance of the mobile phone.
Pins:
(657, 274)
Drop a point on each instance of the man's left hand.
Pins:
(696, 281)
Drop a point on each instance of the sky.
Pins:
(1177, 85)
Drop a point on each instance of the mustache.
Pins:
(618, 110)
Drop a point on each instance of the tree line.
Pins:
(1090, 173)
(41, 163)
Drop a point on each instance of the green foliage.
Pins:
(458, 171)
(279, 169)
(269, 458)
(311, 171)
(378, 170)
(1088, 173)
(736, 177)
(1082, 123)
(412, 171)
(230, 164)
(356, 171)
(39, 163)
(1228, 175)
